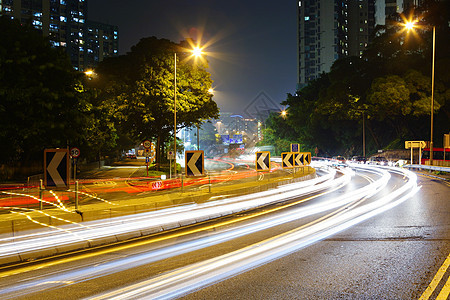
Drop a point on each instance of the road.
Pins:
(346, 239)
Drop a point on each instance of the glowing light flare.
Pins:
(409, 25)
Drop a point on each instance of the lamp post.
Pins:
(432, 95)
(196, 51)
(175, 119)
(410, 26)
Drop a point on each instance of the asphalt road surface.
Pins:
(350, 240)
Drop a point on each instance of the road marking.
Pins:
(435, 282)
(443, 295)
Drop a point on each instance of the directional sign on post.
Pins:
(415, 144)
(295, 147)
(287, 160)
(170, 155)
(56, 168)
(298, 159)
(306, 158)
(262, 161)
(194, 163)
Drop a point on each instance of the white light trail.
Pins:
(199, 243)
(184, 280)
(179, 215)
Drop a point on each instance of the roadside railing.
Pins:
(427, 167)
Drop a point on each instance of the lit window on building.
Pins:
(63, 19)
(37, 23)
(62, 2)
(37, 14)
(307, 18)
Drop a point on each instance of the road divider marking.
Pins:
(443, 295)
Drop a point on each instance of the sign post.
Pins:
(194, 163)
(170, 156)
(416, 144)
(56, 168)
(262, 162)
(74, 153)
(287, 160)
(295, 147)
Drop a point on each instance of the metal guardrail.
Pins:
(427, 167)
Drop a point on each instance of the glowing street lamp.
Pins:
(410, 26)
(197, 52)
(283, 114)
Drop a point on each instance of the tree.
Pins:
(142, 85)
(41, 96)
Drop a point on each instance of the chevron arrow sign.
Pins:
(194, 162)
(56, 167)
(298, 159)
(287, 160)
(262, 161)
(306, 158)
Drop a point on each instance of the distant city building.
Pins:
(233, 124)
(65, 23)
(332, 29)
(102, 41)
(329, 30)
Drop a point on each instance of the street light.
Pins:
(196, 51)
(410, 26)
(283, 114)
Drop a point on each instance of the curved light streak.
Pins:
(190, 245)
(179, 215)
(195, 276)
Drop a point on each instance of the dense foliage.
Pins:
(42, 100)
(45, 103)
(141, 84)
(390, 87)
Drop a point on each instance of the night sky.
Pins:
(252, 44)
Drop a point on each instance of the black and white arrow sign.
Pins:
(298, 159)
(194, 162)
(262, 161)
(56, 166)
(307, 158)
(287, 160)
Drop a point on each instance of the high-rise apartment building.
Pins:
(102, 40)
(65, 23)
(331, 29)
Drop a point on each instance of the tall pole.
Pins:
(432, 96)
(198, 137)
(175, 120)
(364, 136)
